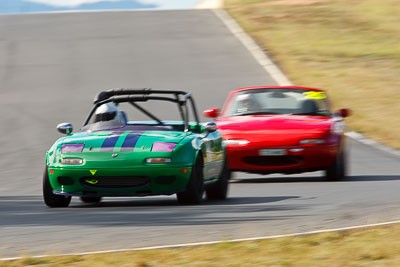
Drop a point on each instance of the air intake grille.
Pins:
(272, 160)
(115, 182)
(165, 179)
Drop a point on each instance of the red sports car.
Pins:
(282, 130)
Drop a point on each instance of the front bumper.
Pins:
(154, 180)
(296, 160)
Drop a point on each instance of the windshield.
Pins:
(154, 114)
(278, 101)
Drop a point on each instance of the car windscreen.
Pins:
(278, 101)
(155, 115)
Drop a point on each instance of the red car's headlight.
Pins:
(236, 142)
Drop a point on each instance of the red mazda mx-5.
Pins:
(282, 130)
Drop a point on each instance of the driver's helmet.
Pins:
(109, 112)
(246, 102)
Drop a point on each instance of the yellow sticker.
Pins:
(314, 95)
(91, 181)
(93, 172)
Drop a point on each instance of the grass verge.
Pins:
(365, 247)
(351, 48)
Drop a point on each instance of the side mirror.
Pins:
(211, 112)
(210, 127)
(344, 112)
(65, 128)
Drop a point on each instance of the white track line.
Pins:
(282, 80)
(253, 47)
(375, 144)
(209, 242)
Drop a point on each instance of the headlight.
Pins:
(236, 142)
(163, 147)
(71, 161)
(158, 160)
(312, 141)
(71, 148)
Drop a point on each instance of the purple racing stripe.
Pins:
(129, 143)
(109, 143)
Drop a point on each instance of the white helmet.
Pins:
(108, 112)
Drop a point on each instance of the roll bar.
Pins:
(132, 96)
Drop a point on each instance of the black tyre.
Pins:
(194, 191)
(219, 189)
(90, 199)
(52, 200)
(337, 171)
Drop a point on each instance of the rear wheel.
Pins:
(52, 200)
(194, 191)
(337, 171)
(90, 199)
(219, 189)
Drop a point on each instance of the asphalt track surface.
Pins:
(52, 65)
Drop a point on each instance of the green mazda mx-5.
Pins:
(112, 156)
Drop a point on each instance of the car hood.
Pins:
(121, 139)
(274, 130)
(108, 148)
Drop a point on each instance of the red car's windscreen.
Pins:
(278, 101)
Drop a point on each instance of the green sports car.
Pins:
(111, 156)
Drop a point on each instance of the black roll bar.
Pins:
(129, 91)
(144, 94)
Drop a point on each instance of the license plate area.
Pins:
(272, 152)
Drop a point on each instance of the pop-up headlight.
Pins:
(163, 147)
(236, 142)
(71, 148)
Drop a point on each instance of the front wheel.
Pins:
(52, 200)
(337, 171)
(219, 189)
(194, 191)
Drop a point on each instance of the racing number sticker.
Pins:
(314, 95)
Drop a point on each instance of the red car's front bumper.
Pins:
(296, 160)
